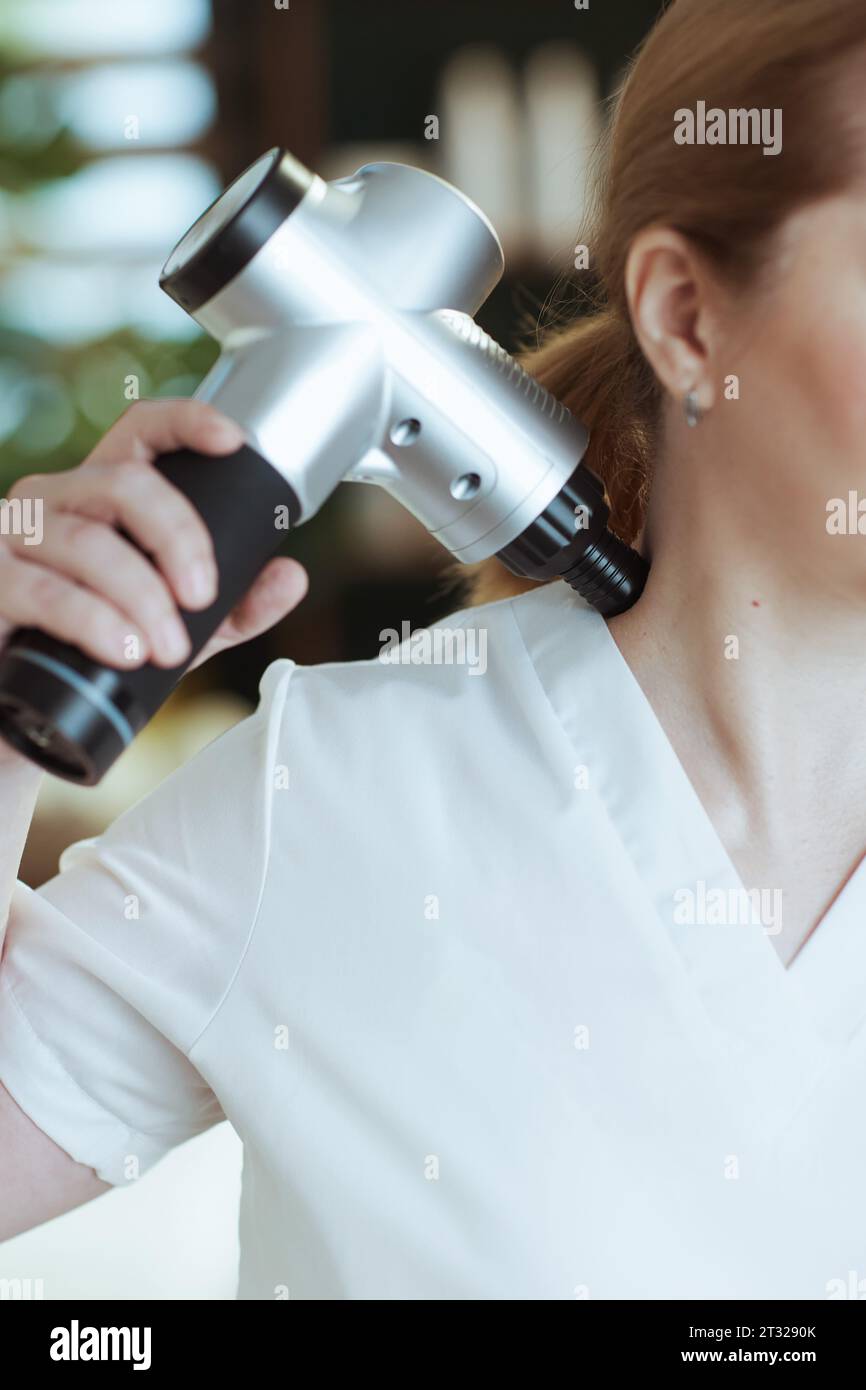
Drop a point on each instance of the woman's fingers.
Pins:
(89, 583)
(118, 484)
(96, 556)
(279, 588)
(150, 428)
(159, 517)
(35, 596)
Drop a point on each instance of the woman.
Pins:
(551, 983)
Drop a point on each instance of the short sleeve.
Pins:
(113, 969)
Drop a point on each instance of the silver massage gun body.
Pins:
(349, 353)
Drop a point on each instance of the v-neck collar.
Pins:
(816, 1004)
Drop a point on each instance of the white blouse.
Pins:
(459, 954)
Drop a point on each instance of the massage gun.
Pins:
(349, 354)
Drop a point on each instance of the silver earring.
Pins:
(693, 410)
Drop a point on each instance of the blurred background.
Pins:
(119, 123)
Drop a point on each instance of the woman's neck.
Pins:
(755, 666)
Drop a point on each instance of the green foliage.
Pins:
(86, 388)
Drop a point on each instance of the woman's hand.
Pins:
(86, 584)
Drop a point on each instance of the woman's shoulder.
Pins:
(468, 658)
(466, 688)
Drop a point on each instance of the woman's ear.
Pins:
(670, 299)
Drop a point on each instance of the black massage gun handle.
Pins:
(247, 506)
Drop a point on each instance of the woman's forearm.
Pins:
(19, 786)
(38, 1180)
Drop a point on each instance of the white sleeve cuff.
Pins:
(55, 1102)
